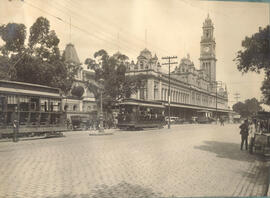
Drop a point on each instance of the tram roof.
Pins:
(28, 89)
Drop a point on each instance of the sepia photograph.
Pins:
(134, 98)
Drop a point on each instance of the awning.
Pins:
(199, 108)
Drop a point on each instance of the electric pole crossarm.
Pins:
(169, 57)
(169, 63)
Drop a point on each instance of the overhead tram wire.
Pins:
(124, 33)
(134, 43)
(127, 47)
(77, 27)
(133, 36)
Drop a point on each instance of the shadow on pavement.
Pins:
(228, 150)
(122, 189)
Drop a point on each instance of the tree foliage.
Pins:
(247, 109)
(255, 57)
(256, 54)
(37, 62)
(14, 36)
(116, 84)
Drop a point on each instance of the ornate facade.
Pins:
(86, 104)
(191, 89)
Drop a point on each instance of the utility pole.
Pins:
(237, 96)
(218, 83)
(169, 58)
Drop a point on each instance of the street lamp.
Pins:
(101, 128)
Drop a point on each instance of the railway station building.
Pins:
(193, 91)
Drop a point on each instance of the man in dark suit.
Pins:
(244, 134)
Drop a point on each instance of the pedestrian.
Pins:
(15, 124)
(221, 122)
(252, 131)
(244, 134)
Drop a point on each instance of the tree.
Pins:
(14, 36)
(253, 106)
(247, 109)
(4, 68)
(39, 61)
(256, 57)
(112, 69)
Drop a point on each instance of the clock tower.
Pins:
(208, 50)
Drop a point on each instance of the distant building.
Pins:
(192, 90)
(86, 105)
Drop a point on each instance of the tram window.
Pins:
(34, 104)
(44, 104)
(55, 105)
(24, 103)
(12, 103)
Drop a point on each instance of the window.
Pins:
(143, 91)
(66, 107)
(44, 104)
(24, 103)
(156, 90)
(34, 104)
(141, 65)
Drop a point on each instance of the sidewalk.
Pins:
(255, 180)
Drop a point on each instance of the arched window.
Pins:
(74, 107)
(66, 107)
(141, 65)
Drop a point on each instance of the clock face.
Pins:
(206, 49)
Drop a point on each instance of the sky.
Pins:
(166, 28)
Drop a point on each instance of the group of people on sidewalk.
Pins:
(247, 131)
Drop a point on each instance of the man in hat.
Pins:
(244, 134)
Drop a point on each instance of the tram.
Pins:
(136, 114)
(37, 108)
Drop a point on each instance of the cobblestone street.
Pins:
(188, 160)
